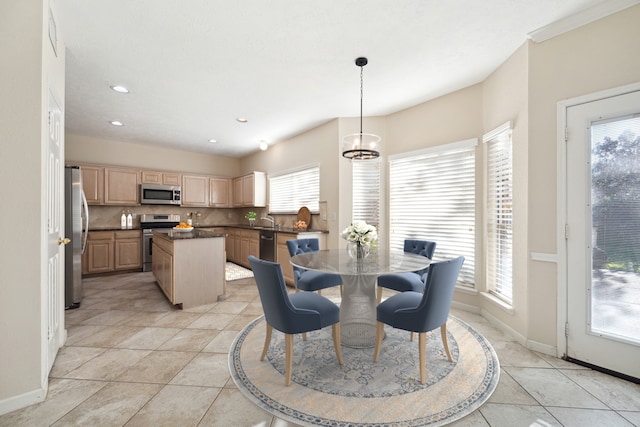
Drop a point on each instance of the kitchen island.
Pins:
(189, 266)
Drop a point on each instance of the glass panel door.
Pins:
(615, 223)
(603, 233)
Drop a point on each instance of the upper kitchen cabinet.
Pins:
(93, 184)
(164, 178)
(121, 186)
(250, 190)
(195, 190)
(220, 190)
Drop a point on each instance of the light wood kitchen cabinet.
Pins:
(237, 192)
(121, 186)
(230, 243)
(250, 190)
(249, 245)
(162, 266)
(128, 250)
(195, 190)
(109, 251)
(190, 271)
(164, 178)
(282, 251)
(93, 184)
(99, 256)
(220, 190)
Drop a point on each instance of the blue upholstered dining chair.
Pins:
(409, 281)
(292, 314)
(422, 311)
(307, 280)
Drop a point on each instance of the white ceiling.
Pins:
(195, 66)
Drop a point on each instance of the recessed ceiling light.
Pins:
(242, 120)
(212, 140)
(264, 145)
(116, 123)
(120, 89)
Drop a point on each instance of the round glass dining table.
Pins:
(359, 277)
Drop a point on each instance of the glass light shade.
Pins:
(361, 146)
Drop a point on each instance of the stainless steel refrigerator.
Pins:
(76, 227)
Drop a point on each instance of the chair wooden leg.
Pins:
(335, 330)
(288, 345)
(412, 333)
(445, 342)
(267, 341)
(379, 335)
(422, 345)
(379, 294)
(304, 336)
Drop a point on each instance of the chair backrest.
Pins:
(425, 248)
(300, 246)
(278, 310)
(433, 309)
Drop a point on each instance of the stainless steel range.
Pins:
(149, 222)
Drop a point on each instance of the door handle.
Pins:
(63, 241)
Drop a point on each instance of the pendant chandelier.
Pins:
(361, 146)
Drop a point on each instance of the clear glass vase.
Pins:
(357, 250)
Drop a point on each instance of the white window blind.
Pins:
(366, 191)
(499, 227)
(290, 191)
(432, 197)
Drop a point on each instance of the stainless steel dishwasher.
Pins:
(268, 245)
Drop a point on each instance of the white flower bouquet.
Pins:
(360, 233)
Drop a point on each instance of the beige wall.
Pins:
(110, 152)
(315, 147)
(29, 68)
(595, 57)
(505, 97)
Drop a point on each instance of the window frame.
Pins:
(440, 158)
(497, 275)
(303, 194)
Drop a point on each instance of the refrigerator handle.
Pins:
(86, 220)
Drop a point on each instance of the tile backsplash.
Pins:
(102, 217)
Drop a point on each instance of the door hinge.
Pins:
(566, 329)
(566, 134)
(566, 231)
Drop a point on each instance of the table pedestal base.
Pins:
(358, 311)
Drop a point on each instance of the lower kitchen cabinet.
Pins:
(190, 271)
(99, 256)
(282, 251)
(109, 251)
(249, 245)
(128, 250)
(162, 266)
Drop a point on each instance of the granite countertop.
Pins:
(112, 228)
(290, 230)
(196, 233)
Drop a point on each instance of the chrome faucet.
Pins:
(270, 219)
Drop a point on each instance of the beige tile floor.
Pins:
(132, 359)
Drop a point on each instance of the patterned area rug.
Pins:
(235, 272)
(360, 392)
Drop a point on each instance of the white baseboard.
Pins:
(465, 307)
(542, 348)
(21, 401)
(504, 327)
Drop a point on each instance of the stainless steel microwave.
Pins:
(156, 194)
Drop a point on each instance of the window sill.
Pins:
(466, 290)
(506, 307)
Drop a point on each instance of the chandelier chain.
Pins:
(361, 95)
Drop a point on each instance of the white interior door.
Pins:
(55, 248)
(603, 243)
